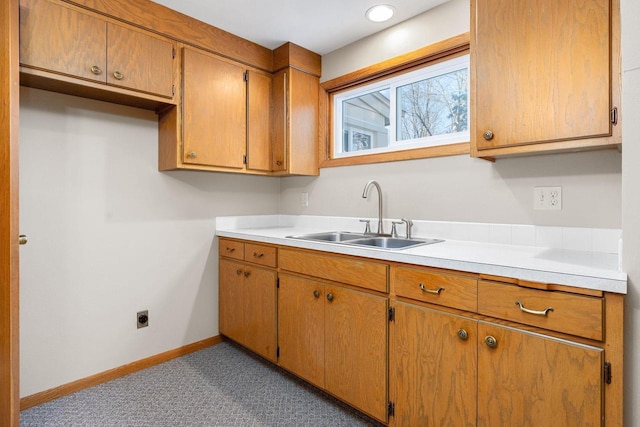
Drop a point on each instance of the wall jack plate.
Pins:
(143, 319)
(547, 198)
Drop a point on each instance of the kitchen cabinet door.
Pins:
(526, 379)
(301, 328)
(139, 61)
(248, 306)
(62, 40)
(542, 73)
(258, 121)
(434, 367)
(356, 337)
(214, 111)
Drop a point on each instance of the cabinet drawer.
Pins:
(357, 272)
(436, 288)
(231, 249)
(260, 254)
(558, 311)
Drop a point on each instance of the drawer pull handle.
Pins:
(257, 255)
(231, 250)
(246, 274)
(536, 312)
(431, 291)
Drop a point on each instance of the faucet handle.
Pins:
(367, 227)
(394, 231)
(409, 225)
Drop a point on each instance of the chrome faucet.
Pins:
(364, 196)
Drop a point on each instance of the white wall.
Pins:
(631, 203)
(109, 235)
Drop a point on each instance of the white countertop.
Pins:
(584, 269)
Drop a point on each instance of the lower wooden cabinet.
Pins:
(336, 338)
(247, 306)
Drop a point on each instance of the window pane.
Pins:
(365, 121)
(433, 106)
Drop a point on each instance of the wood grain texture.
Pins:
(145, 61)
(162, 20)
(59, 39)
(247, 306)
(356, 349)
(279, 120)
(457, 291)
(303, 123)
(554, 59)
(418, 153)
(353, 271)
(258, 121)
(572, 314)
(531, 380)
(301, 328)
(543, 286)
(102, 377)
(261, 254)
(214, 110)
(231, 249)
(9, 216)
(292, 55)
(433, 371)
(614, 354)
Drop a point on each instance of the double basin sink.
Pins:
(367, 240)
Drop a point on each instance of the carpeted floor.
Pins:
(219, 386)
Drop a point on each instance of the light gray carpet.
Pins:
(219, 386)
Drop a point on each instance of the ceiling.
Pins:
(318, 25)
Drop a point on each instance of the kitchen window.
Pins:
(406, 112)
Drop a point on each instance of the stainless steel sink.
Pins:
(358, 239)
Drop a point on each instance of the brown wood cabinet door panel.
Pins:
(280, 120)
(303, 123)
(357, 272)
(259, 121)
(531, 380)
(542, 71)
(356, 331)
(214, 111)
(139, 61)
(231, 300)
(572, 314)
(434, 370)
(62, 40)
(260, 311)
(301, 328)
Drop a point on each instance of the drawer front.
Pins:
(260, 254)
(231, 249)
(357, 272)
(558, 311)
(436, 288)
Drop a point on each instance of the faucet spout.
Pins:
(364, 196)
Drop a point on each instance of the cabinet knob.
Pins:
(22, 239)
(238, 272)
(329, 297)
(96, 70)
(247, 273)
(278, 163)
(490, 341)
(316, 294)
(192, 154)
(488, 135)
(463, 335)
(118, 75)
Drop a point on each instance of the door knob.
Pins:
(22, 239)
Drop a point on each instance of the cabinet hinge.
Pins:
(606, 373)
(246, 76)
(391, 409)
(278, 283)
(277, 351)
(173, 90)
(392, 314)
(244, 160)
(614, 115)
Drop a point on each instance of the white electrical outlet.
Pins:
(304, 200)
(547, 198)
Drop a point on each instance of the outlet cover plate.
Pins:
(547, 198)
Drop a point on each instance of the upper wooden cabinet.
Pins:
(70, 44)
(545, 76)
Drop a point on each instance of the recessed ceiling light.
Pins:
(380, 13)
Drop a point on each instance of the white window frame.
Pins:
(392, 83)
